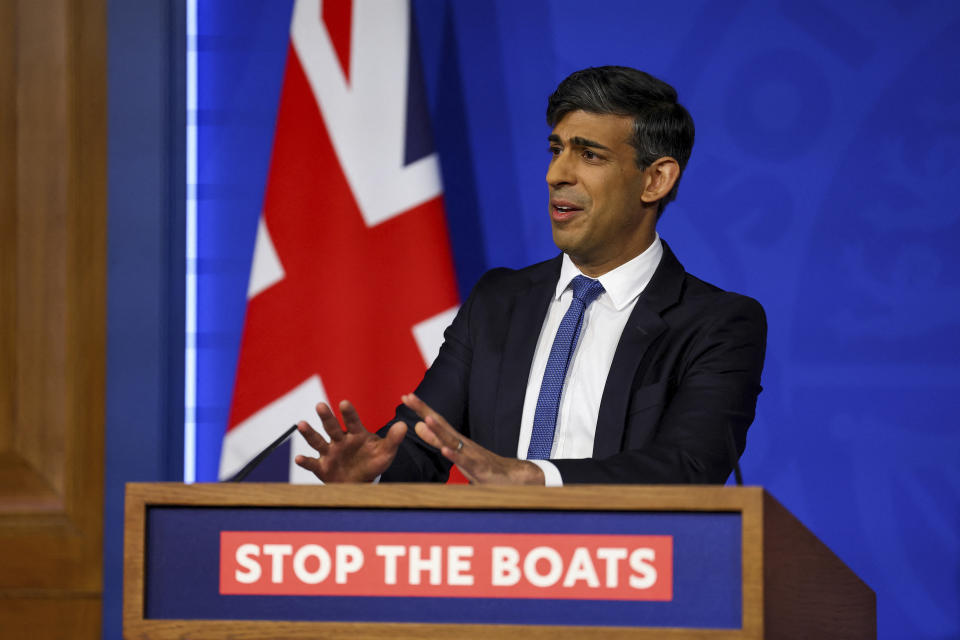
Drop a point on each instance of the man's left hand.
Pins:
(479, 465)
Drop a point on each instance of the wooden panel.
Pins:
(52, 315)
(8, 220)
(23, 489)
(56, 616)
(752, 560)
(411, 495)
(793, 585)
(214, 630)
(42, 175)
(810, 593)
(747, 500)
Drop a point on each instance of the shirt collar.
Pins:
(623, 284)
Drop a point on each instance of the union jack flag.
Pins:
(352, 281)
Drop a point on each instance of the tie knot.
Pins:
(586, 289)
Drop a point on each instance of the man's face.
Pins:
(596, 211)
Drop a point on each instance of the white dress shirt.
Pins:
(603, 322)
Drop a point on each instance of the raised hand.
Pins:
(478, 464)
(352, 455)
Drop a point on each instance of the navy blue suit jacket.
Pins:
(684, 379)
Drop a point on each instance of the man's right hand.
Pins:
(352, 455)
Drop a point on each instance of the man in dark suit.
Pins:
(608, 363)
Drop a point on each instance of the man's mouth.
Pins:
(563, 210)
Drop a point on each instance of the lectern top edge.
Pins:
(433, 496)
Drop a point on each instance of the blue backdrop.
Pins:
(823, 183)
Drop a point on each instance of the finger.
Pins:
(449, 436)
(351, 419)
(442, 428)
(313, 438)
(453, 454)
(438, 436)
(310, 464)
(467, 466)
(422, 409)
(395, 435)
(330, 423)
(427, 435)
(391, 441)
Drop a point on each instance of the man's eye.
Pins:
(554, 150)
(589, 155)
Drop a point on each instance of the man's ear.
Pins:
(660, 177)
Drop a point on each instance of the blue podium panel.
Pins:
(577, 568)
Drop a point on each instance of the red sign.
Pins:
(447, 565)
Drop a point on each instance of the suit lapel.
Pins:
(643, 327)
(523, 330)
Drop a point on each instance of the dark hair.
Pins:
(661, 126)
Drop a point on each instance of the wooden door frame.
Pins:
(52, 315)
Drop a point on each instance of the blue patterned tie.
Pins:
(585, 291)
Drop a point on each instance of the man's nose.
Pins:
(560, 171)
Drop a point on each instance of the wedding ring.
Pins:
(459, 446)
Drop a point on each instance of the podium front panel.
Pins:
(582, 568)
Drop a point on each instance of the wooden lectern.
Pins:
(435, 561)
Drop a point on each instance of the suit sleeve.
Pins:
(712, 402)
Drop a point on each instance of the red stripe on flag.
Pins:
(337, 15)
